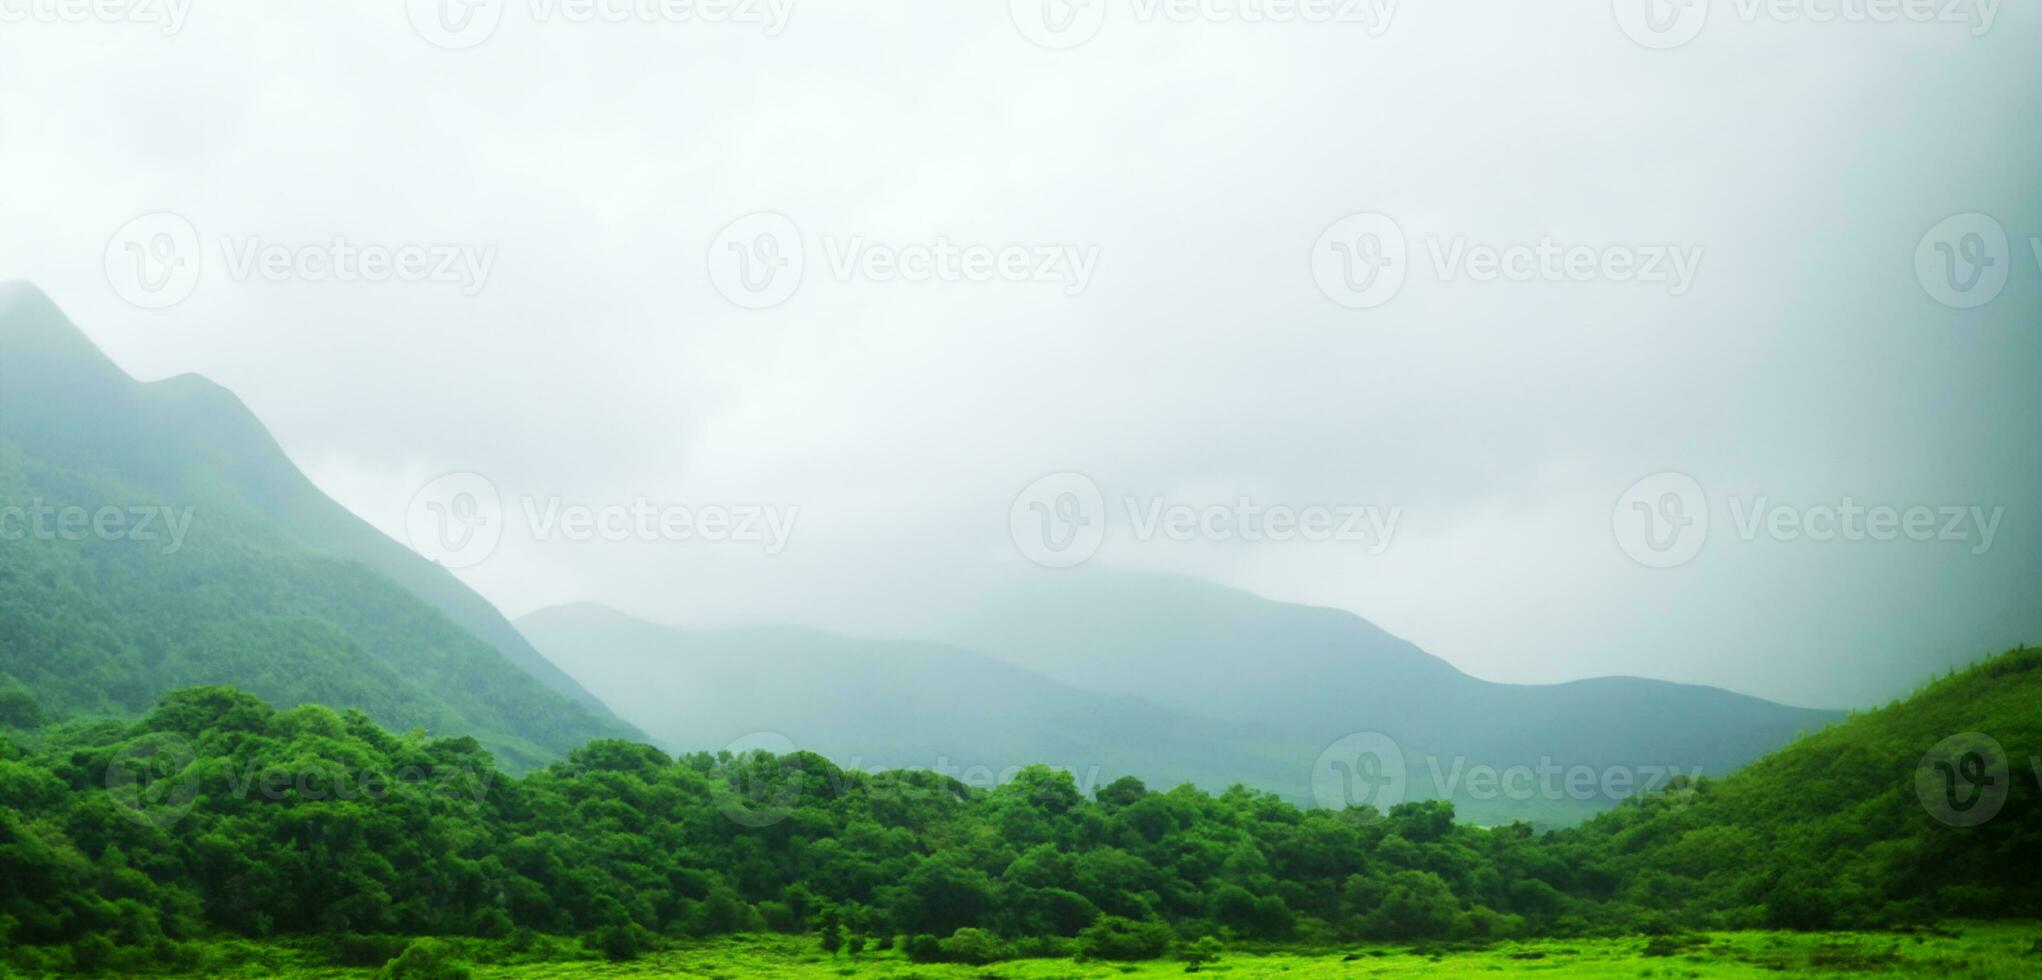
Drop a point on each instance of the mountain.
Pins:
(154, 536)
(886, 704)
(1169, 680)
(1316, 676)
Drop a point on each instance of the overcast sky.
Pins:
(1162, 211)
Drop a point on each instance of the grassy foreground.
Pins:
(1979, 950)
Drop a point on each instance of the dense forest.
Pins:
(131, 844)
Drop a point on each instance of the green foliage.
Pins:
(974, 946)
(1115, 938)
(1205, 952)
(923, 948)
(217, 814)
(1417, 905)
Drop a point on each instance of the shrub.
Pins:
(621, 942)
(1042, 948)
(426, 959)
(1206, 950)
(974, 946)
(923, 948)
(1116, 938)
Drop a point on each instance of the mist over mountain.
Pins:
(1166, 679)
(1320, 674)
(880, 704)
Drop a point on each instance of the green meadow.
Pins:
(1974, 950)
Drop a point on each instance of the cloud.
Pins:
(1202, 362)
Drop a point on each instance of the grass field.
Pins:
(1970, 950)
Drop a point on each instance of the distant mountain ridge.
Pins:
(882, 704)
(1320, 674)
(277, 589)
(1225, 688)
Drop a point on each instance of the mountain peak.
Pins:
(22, 301)
(32, 324)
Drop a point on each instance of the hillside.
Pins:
(196, 553)
(1930, 806)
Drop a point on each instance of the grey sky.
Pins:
(597, 163)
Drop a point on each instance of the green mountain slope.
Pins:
(870, 704)
(1929, 807)
(153, 536)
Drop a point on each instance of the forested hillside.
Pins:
(155, 537)
(217, 813)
